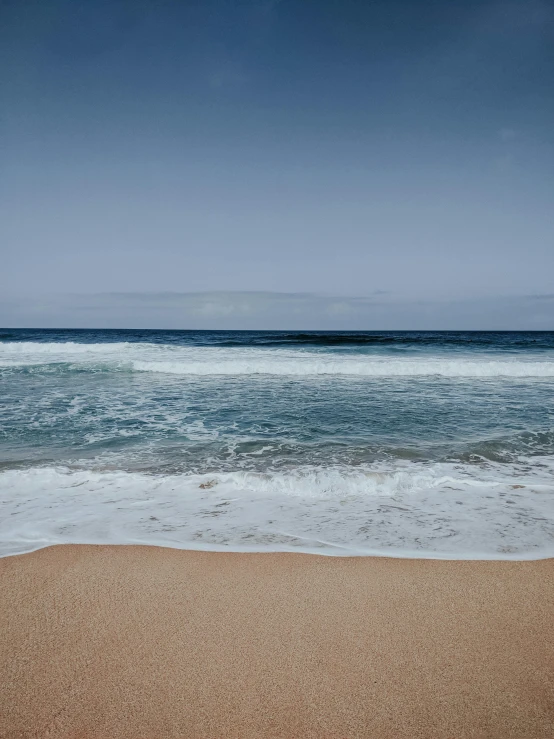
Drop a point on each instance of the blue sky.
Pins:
(393, 158)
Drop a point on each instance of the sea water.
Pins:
(417, 444)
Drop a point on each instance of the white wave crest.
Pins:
(367, 367)
(205, 361)
(61, 348)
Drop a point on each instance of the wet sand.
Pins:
(148, 643)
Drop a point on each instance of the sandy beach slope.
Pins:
(148, 643)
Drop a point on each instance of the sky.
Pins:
(277, 164)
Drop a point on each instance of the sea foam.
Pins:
(452, 511)
(213, 361)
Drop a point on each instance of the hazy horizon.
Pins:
(278, 311)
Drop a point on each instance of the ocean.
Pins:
(413, 444)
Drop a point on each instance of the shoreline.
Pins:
(141, 641)
(328, 553)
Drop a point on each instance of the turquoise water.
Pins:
(398, 443)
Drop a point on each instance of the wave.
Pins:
(472, 340)
(440, 510)
(204, 361)
(304, 367)
(25, 348)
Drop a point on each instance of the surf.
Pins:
(433, 510)
(214, 361)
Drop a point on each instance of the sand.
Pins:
(142, 642)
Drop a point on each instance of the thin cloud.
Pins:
(269, 310)
(507, 134)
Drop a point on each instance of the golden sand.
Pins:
(148, 643)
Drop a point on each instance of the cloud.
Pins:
(340, 309)
(268, 310)
(218, 309)
(507, 134)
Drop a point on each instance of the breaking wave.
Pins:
(205, 361)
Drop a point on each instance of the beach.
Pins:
(146, 642)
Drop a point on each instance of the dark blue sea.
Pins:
(419, 444)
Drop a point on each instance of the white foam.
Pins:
(28, 349)
(239, 361)
(406, 509)
(302, 366)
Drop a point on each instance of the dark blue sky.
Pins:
(399, 152)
